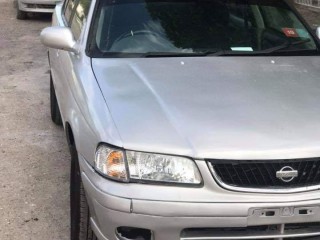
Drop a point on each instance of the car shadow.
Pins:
(46, 17)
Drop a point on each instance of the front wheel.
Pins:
(21, 15)
(80, 214)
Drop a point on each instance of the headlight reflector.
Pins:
(111, 163)
(162, 168)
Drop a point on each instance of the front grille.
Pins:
(297, 231)
(263, 174)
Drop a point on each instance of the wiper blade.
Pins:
(149, 54)
(170, 54)
(287, 45)
(232, 53)
(262, 52)
(213, 52)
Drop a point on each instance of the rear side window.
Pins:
(79, 17)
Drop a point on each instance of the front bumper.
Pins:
(37, 6)
(194, 220)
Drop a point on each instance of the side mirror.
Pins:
(318, 32)
(58, 38)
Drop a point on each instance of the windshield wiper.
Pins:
(262, 52)
(287, 45)
(213, 52)
(150, 54)
(170, 54)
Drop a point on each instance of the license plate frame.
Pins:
(281, 215)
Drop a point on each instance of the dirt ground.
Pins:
(34, 161)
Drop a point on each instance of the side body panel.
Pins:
(79, 97)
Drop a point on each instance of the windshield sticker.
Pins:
(303, 33)
(290, 32)
(243, 49)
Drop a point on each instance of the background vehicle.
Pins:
(34, 6)
(188, 119)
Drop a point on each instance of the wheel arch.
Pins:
(70, 136)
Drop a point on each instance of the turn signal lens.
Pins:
(110, 162)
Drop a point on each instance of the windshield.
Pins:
(198, 27)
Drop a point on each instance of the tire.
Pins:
(21, 15)
(79, 209)
(54, 107)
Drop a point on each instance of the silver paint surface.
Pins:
(215, 107)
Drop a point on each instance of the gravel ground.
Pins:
(34, 161)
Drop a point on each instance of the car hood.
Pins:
(215, 107)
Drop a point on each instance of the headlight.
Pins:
(113, 163)
(162, 168)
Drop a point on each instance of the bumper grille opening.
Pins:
(298, 226)
(225, 233)
(41, 6)
(267, 174)
(132, 233)
(292, 231)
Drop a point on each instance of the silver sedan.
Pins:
(34, 6)
(188, 119)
